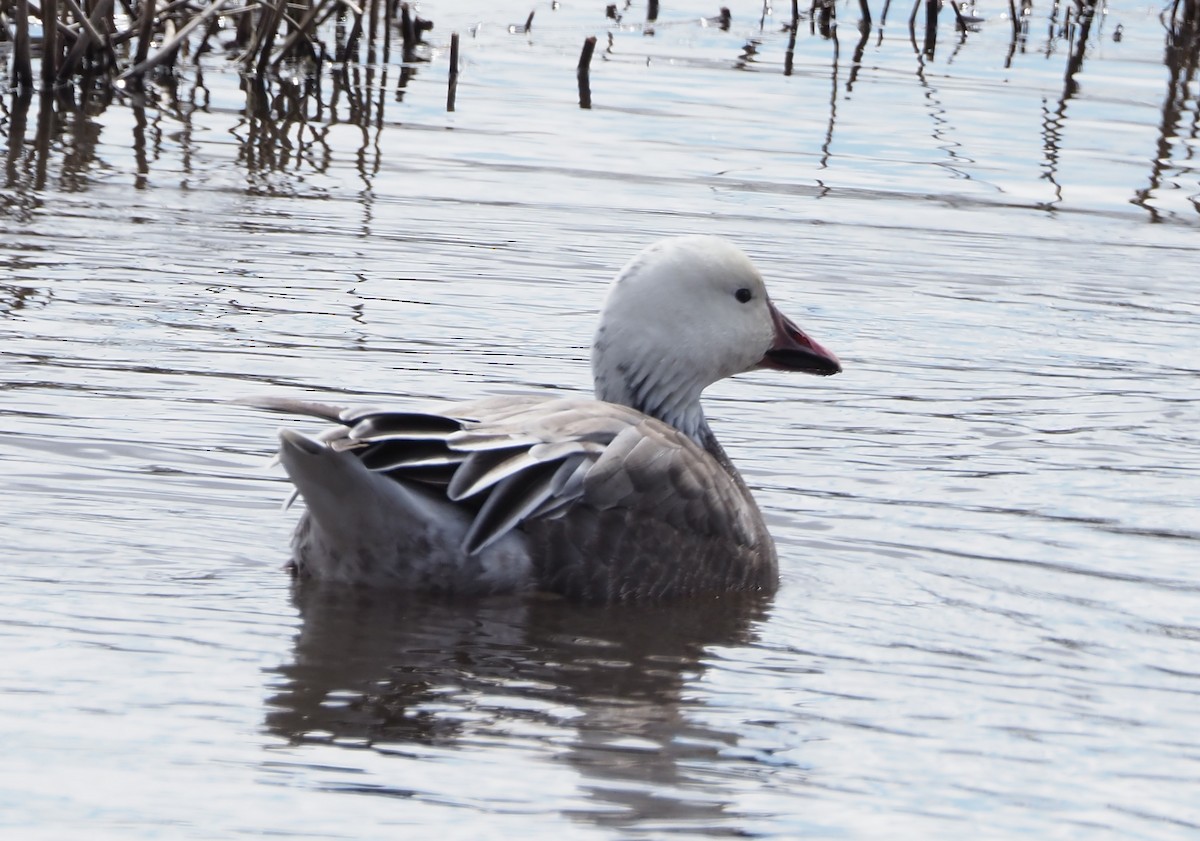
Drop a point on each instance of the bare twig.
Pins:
(90, 35)
(168, 49)
(303, 29)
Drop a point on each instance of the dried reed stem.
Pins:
(22, 66)
(145, 32)
(168, 50)
(452, 86)
(49, 42)
(90, 35)
(583, 72)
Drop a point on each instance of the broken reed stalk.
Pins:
(866, 13)
(408, 32)
(372, 31)
(22, 66)
(243, 33)
(452, 87)
(300, 32)
(960, 22)
(145, 32)
(887, 4)
(90, 35)
(167, 51)
(389, 17)
(932, 7)
(583, 72)
(250, 50)
(49, 42)
(351, 46)
(789, 55)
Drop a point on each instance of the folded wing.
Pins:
(515, 460)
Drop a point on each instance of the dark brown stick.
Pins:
(168, 50)
(22, 66)
(389, 15)
(145, 32)
(959, 22)
(372, 31)
(348, 50)
(244, 32)
(301, 31)
(89, 35)
(268, 41)
(932, 7)
(583, 72)
(49, 42)
(408, 31)
(452, 88)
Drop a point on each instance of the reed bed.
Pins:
(122, 43)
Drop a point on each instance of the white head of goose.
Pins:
(627, 496)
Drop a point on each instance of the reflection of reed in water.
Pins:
(1182, 60)
(285, 126)
(379, 673)
(1054, 120)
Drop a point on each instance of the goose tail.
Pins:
(362, 526)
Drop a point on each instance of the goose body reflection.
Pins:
(602, 688)
(625, 496)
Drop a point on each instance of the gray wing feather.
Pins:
(510, 502)
(387, 456)
(403, 426)
(291, 406)
(484, 468)
(471, 440)
(566, 486)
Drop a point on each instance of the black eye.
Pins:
(743, 295)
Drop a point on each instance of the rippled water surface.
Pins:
(989, 624)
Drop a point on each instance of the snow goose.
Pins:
(625, 496)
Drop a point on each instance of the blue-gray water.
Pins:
(989, 624)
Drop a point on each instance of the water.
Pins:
(989, 623)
